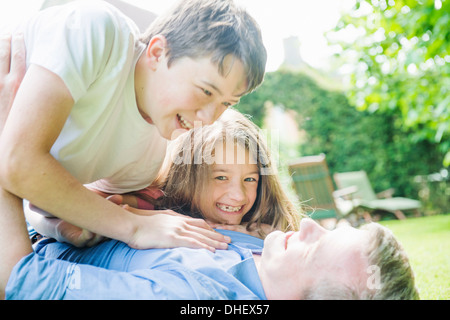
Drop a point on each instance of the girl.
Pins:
(223, 173)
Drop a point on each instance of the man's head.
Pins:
(346, 263)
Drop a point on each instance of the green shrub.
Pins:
(351, 139)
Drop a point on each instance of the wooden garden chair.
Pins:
(314, 187)
(370, 201)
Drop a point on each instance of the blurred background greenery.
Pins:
(390, 117)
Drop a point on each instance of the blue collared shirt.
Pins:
(112, 270)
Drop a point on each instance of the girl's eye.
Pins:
(227, 104)
(250, 180)
(207, 92)
(221, 178)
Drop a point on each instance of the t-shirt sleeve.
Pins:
(75, 42)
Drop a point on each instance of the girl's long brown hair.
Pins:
(187, 169)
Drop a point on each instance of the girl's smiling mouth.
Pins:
(228, 208)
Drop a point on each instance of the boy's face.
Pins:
(295, 261)
(232, 186)
(173, 98)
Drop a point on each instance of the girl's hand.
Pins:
(168, 229)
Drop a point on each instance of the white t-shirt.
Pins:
(94, 48)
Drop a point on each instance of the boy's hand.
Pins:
(168, 229)
(62, 231)
(12, 71)
(76, 236)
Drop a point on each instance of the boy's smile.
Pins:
(189, 90)
(184, 124)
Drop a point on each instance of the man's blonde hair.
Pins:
(386, 254)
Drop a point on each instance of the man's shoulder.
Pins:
(244, 240)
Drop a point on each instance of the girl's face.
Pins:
(231, 188)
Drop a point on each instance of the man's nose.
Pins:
(310, 231)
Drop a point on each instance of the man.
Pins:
(313, 263)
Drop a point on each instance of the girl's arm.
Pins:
(28, 170)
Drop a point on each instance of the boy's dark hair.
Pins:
(198, 28)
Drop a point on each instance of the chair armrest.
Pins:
(386, 193)
(345, 192)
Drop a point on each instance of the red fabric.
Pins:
(149, 192)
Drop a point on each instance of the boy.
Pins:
(97, 104)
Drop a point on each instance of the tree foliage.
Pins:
(403, 64)
(351, 139)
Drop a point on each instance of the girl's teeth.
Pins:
(185, 124)
(229, 208)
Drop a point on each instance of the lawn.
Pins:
(427, 242)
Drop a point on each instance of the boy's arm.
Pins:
(28, 170)
(12, 225)
(62, 231)
(14, 230)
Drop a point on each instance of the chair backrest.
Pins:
(358, 179)
(312, 182)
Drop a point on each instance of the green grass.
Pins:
(427, 242)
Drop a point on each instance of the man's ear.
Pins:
(156, 50)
